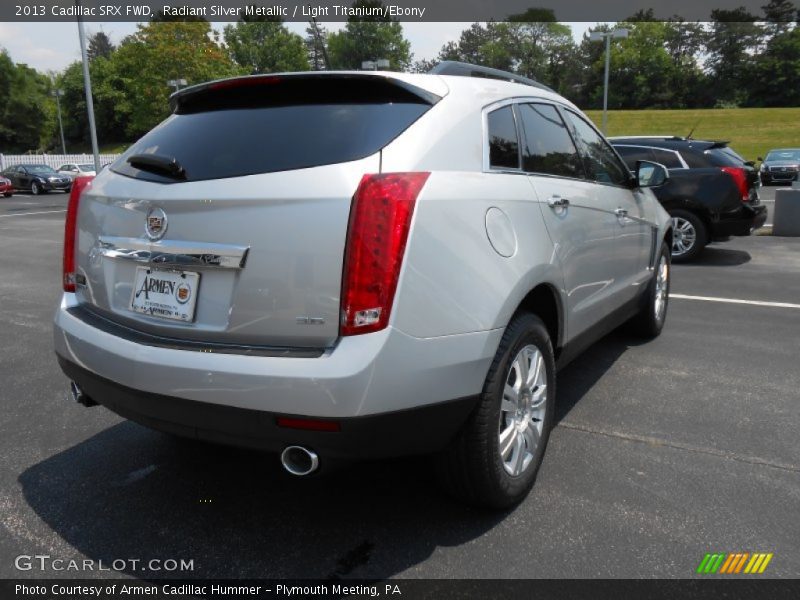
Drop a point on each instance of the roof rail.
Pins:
(462, 69)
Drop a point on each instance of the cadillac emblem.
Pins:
(155, 224)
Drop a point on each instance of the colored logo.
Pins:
(734, 563)
(183, 293)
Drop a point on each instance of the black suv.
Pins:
(712, 192)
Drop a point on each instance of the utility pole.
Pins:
(599, 36)
(58, 93)
(87, 88)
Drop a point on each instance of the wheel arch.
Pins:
(545, 302)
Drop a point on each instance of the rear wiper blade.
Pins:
(156, 163)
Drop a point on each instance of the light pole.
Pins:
(176, 83)
(87, 88)
(374, 65)
(58, 93)
(599, 36)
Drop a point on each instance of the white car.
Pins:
(73, 170)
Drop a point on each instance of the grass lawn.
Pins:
(751, 131)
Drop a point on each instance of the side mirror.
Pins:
(650, 174)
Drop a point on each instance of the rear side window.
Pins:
(547, 145)
(630, 154)
(667, 158)
(268, 128)
(602, 163)
(503, 145)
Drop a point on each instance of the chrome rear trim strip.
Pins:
(173, 253)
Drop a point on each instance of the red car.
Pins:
(6, 188)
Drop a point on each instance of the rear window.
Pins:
(724, 157)
(503, 145)
(630, 154)
(296, 124)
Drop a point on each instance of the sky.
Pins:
(53, 46)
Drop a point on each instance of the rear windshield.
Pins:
(264, 129)
(724, 157)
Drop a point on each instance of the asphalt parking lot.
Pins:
(662, 451)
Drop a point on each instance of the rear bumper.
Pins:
(419, 430)
(742, 222)
(372, 375)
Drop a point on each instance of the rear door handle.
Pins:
(621, 212)
(556, 201)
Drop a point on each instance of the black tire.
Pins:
(8, 195)
(700, 239)
(471, 468)
(35, 189)
(649, 321)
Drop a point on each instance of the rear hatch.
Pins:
(227, 223)
(721, 155)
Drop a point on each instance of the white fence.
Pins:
(52, 160)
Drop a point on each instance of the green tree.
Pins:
(265, 46)
(99, 46)
(369, 38)
(26, 114)
(481, 44)
(779, 15)
(316, 41)
(540, 47)
(776, 72)
(156, 53)
(733, 39)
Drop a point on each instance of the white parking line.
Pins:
(42, 212)
(735, 301)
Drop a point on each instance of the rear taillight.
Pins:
(739, 175)
(70, 232)
(380, 218)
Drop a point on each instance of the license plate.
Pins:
(165, 294)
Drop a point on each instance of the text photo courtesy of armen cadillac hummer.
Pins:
(375, 299)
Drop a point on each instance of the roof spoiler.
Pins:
(462, 69)
(301, 88)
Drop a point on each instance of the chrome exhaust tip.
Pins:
(76, 393)
(299, 461)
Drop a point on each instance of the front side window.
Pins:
(503, 144)
(547, 146)
(602, 163)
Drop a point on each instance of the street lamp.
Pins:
(58, 93)
(176, 83)
(374, 65)
(599, 36)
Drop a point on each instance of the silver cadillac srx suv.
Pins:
(353, 265)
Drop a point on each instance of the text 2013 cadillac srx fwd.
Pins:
(347, 265)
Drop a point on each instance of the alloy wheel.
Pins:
(522, 410)
(662, 288)
(684, 236)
